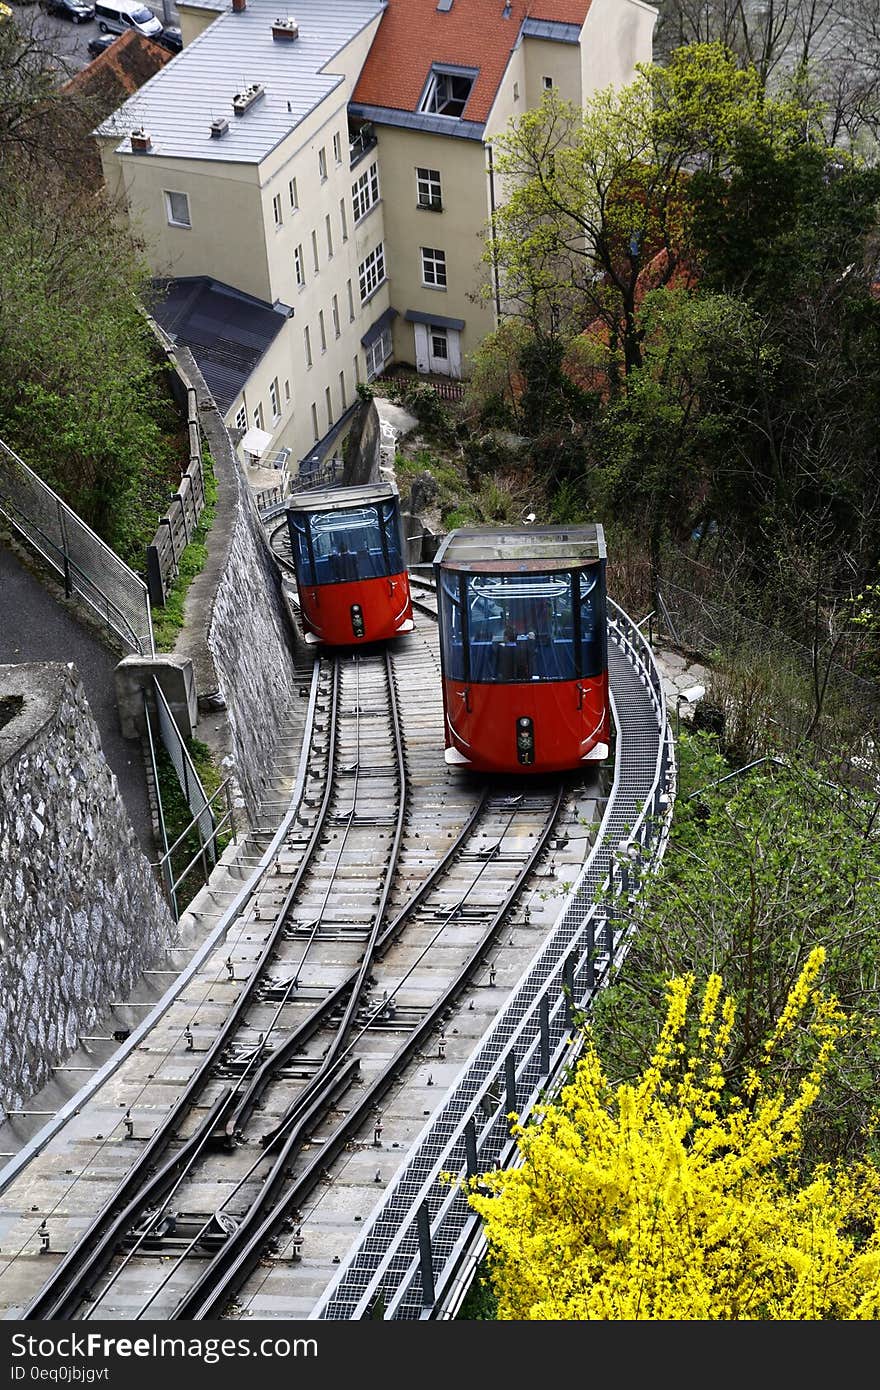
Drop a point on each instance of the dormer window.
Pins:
(447, 91)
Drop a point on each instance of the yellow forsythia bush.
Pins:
(672, 1199)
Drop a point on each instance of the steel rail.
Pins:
(245, 1247)
(416, 1238)
(325, 1079)
(225, 1115)
(79, 1268)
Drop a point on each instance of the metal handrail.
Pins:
(23, 523)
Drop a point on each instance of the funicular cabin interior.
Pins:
(523, 645)
(348, 555)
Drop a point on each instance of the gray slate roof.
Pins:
(226, 331)
(177, 106)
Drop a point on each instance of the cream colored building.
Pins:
(329, 172)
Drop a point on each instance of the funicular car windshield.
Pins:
(346, 544)
(500, 627)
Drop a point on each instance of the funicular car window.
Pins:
(391, 526)
(301, 558)
(520, 627)
(592, 636)
(348, 545)
(451, 627)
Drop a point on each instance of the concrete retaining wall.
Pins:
(81, 913)
(237, 633)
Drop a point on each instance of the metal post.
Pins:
(568, 987)
(544, 1025)
(167, 870)
(470, 1148)
(62, 529)
(426, 1263)
(510, 1080)
(609, 939)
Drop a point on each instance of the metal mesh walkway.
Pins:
(418, 1239)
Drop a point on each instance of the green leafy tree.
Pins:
(762, 870)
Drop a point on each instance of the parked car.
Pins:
(100, 43)
(170, 37)
(79, 11)
(115, 16)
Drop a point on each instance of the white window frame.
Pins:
(315, 420)
(169, 208)
(315, 252)
(342, 398)
(334, 305)
(548, 83)
(371, 272)
(429, 189)
(274, 402)
(343, 219)
(241, 418)
(329, 230)
(258, 415)
(437, 92)
(287, 389)
(322, 163)
(328, 402)
(337, 147)
(377, 354)
(294, 195)
(350, 302)
(436, 333)
(307, 343)
(365, 192)
(299, 268)
(277, 210)
(323, 330)
(433, 268)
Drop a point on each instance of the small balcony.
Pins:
(360, 142)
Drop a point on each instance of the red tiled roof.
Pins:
(118, 72)
(414, 34)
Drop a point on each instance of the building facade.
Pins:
(336, 168)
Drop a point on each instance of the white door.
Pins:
(420, 333)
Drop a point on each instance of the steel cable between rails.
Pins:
(243, 1249)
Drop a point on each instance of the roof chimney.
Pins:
(239, 6)
(219, 127)
(285, 29)
(243, 101)
(140, 141)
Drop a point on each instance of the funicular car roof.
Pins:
(329, 499)
(507, 549)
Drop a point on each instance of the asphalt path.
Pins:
(36, 626)
(68, 41)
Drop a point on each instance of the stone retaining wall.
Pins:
(81, 912)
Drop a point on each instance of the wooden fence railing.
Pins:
(177, 526)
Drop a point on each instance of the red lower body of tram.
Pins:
(362, 610)
(546, 726)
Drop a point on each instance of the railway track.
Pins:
(384, 943)
(297, 1068)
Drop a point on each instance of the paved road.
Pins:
(34, 626)
(69, 41)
